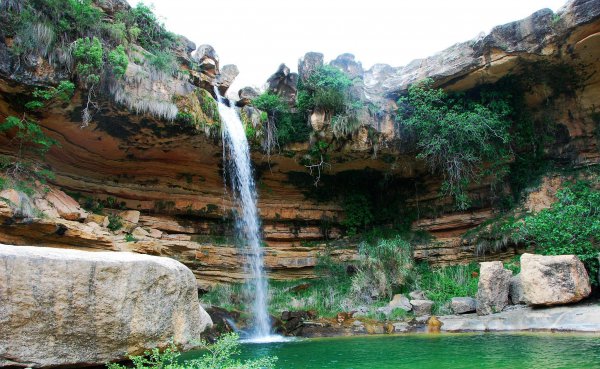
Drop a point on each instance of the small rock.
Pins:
(492, 290)
(553, 280)
(155, 233)
(361, 311)
(98, 219)
(462, 305)
(421, 307)
(401, 302)
(417, 295)
(66, 206)
(515, 290)
(139, 232)
(131, 216)
(401, 327)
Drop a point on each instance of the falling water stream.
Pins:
(236, 156)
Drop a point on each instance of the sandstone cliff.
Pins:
(137, 153)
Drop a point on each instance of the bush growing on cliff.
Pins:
(328, 89)
(385, 266)
(29, 140)
(281, 123)
(570, 226)
(220, 355)
(457, 136)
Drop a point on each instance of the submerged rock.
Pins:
(492, 290)
(67, 307)
(553, 280)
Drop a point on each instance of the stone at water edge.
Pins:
(462, 305)
(77, 308)
(434, 325)
(421, 307)
(553, 280)
(492, 290)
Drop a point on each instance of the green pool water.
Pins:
(424, 351)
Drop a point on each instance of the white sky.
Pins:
(259, 35)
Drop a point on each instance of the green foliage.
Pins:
(270, 103)
(220, 355)
(326, 88)
(30, 142)
(358, 214)
(129, 238)
(386, 265)
(119, 61)
(152, 34)
(115, 222)
(456, 136)
(570, 226)
(163, 61)
(291, 127)
(88, 54)
(443, 283)
(329, 89)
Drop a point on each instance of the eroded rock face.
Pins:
(492, 290)
(553, 280)
(67, 307)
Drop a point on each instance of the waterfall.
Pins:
(236, 155)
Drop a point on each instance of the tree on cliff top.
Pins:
(460, 138)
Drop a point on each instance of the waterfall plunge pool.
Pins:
(434, 351)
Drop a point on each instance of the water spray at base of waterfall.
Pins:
(236, 154)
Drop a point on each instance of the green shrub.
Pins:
(88, 54)
(220, 355)
(357, 213)
(442, 283)
(163, 61)
(327, 88)
(119, 61)
(30, 143)
(385, 266)
(570, 226)
(291, 127)
(152, 34)
(115, 222)
(456, 136)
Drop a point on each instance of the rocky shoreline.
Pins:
(583, 318)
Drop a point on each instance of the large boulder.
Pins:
(283, 83)
(553, 280)
(308, 64)
(68, 307)
(492, 290)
